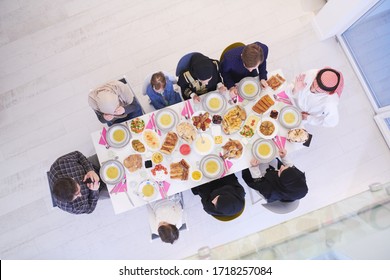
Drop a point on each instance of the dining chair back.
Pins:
(124, 80)
(184, 63)
(229, 218)
(230, 47)
(280, 207)
(53, 201)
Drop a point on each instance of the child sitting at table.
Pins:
(161, 92)
(286, 184)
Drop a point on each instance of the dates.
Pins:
(217, 119)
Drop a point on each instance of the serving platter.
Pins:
(212, 166)
(118, 136)
(249, 88)
(264, 150)
(290, 117)
(166, 119)
(214, 102)
(112, 172)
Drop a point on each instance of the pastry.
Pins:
(297, 135)
(169, 143)
(179, 170)
(133, 162)
(263, 104)
(186, 131)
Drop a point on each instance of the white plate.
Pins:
(249, 88)
(212, 161)
(166, 119)
(152, 187)
(273, 121)
(131, 144)
(141, 127)
(265, 144)
(292, 115)
(251, 121)
(151, 134)
(203, 148)
(113, 167)
(214, 102)
(197, 114)
(226, 139)
(118, 136)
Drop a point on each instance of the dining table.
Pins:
(126, 194)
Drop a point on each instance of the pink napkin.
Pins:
(239, 98)
(102, 140)
(189, 106)
(165, 186)
(280, 141)
(120, 187)
(282, 97)
(228, 164)
(184, 112)
(152, 125)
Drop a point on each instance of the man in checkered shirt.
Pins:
(68, 177)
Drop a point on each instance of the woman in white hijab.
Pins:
(113, 102)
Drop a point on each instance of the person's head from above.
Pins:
(158, 82)
(168, 233)
(202, 70)
(328, 81)
(228, 204)
(66, 189)
(107, 101)
(292, 178)
(252, 56)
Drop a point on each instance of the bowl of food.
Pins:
(212, 166)
(267, 128)
(112, 172)
(157, 158)
(290, 117)
(203, 144)
(147, 190)
(196, 175)
(185, 149)
(264, 150)
(138, 146)
(118, 136)
(137, 125)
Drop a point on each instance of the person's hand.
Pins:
(222, 89)
(254, 162)
(233, 92)
(119, 111)
(196, 98)
(94, 186)
(299, 83)
(305, 115)
(282, 152)
(263, 83)
(108, 117)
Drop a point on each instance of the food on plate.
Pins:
(212, 166)
(233, 119)
(267, 128)
(203, 144)
(263, 104)
(249, 88)
(138, 146)
(264, 149)
(232, 149)
(218, 139)
(215, 103)
(160, 172)
(166, 119)
(202, 121)
(217, 119)
(186, 131)
(289, 117)
(179, 170)
(157, 157)
(133, 162)
(247, 131)
(275, 81)
(112, 172)
(137, 125)
(274, 114)
(185, 149)
(151, 139)
(169, 143)
(196, 175)
(148, 190)
(119, 135)
(297, 135)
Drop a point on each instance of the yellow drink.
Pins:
(212, 167)
(289, 117)
(112, 172)
(249, 89)
(264, 150)
(215, 103)
(118, 135)
(196, 175)
(166, 119)
(148, 190)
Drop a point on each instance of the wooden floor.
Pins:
(52, 52)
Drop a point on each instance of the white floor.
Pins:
(52, 52)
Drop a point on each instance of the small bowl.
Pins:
(185, 149)
(198, 175)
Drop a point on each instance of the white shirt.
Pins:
(322, 107)
(165, 210)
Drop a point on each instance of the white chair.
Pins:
(280, 207)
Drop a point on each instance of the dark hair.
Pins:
(158, 80)
(251, 55)
(168, 233)
(64, 189)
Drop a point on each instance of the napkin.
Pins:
(239, 98)
(152, 125)
(165, 186)
(282, 97)
(120, 187)
(280, 141)
(184, 112)
(102, 140)
(228, 164)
